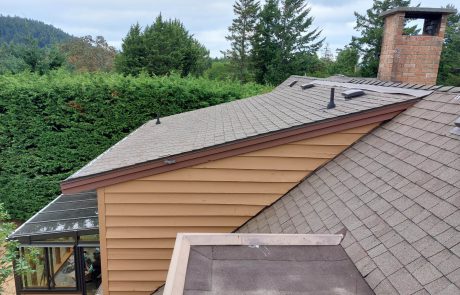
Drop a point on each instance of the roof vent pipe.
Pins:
(331, 103)
(158, 119)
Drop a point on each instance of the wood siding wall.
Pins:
(139, 219)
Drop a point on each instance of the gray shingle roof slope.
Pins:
(397, 192)
(285, 107)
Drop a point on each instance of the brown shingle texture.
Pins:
(283, 108)
(397, 193)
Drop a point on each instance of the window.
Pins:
(62, 267)
(37, 279)
(54, 268)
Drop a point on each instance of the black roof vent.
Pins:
(308, 85)
(456, 129)
(331, 103)
(292, 83)
(350, 93)
(158, 119)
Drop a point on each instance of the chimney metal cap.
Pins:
(418, 12)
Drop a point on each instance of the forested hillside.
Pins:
(18, 30)
(52, 125)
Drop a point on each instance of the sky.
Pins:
(207, 20)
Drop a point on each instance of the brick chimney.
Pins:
(412, 59)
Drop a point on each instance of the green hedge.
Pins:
(52, 125)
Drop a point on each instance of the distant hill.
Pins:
(18, 30)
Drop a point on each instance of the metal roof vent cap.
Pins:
(306, 86)
(331, 103)
(350, 93)
(456, 129)
(158, 119)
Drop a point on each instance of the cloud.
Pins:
(213, 40)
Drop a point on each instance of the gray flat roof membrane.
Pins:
(272, 270)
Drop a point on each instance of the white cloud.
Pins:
(214, 40)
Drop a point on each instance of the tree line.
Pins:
(268, 43)
(18, 30)
(272, 41)
(84, 54)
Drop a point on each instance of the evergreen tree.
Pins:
(131, 61)
(346, 62)
(162, 48)
(241, 32)
(16, 58)
(10, 62)
(264, 43)
(449, 68)
(284, 42)
(370, 26)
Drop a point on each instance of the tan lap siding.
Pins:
(143, 216)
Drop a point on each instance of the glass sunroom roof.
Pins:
(65, 214)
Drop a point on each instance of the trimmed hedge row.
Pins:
(52, 125)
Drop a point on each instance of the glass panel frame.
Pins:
(65, 215)
(38, 278)
(62, 267)
(77, 243)
(46, 282)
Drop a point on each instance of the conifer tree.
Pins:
(240, 33)
(346, 62)
(131, 61)
(161, 49)
(284, 40)
(264, 43)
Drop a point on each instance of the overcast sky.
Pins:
(208, 20)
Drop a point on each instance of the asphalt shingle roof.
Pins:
(397, 193)
(283, 108)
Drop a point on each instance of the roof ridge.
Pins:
(377, 82)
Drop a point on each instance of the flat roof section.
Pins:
(65, 215)
(272, 270)
(262, 264)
